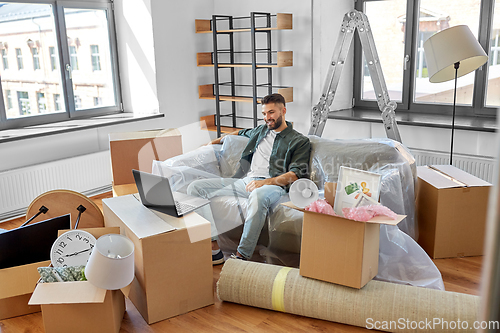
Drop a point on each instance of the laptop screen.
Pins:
(31, 243)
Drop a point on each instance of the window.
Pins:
(19, 56)
(36, 58)
(57, 102)
(9, 99)
(78, 102)
(53, 58)
(24, 103)
(50, 90)
(5, 60)
(42, 103)
(97, 101)
(73, 59)
(401, 27)
(96, 61)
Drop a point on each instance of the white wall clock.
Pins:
(73, 248)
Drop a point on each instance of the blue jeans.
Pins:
(260, 201)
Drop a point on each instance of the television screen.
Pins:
(31, 243)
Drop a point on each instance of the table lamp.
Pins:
(452, 53)
(111, 264)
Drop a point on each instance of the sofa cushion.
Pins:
(230, 154)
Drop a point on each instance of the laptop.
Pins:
(31, 243)
(155, 193)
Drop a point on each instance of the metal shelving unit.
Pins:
(213, 59)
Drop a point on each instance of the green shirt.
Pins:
(291, 151)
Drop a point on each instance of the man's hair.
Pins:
(273, 98)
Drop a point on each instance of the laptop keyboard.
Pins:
(182, 207)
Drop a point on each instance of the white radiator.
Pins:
(87, 174)
(479, 166)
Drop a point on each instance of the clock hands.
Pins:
(76, 253)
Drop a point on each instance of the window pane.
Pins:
(73, 57)
(25, 28)
(95, 75)
(36, 58)
(387, 23)
(19, 59)
(493, 90)
(5, 59)
(434, 17)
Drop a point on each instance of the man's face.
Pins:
(273, 115)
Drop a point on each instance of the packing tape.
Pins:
(278, 295)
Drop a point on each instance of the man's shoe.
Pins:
(234, 256)
(218, 258)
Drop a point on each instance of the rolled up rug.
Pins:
(378, 305)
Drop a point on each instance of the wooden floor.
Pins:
(459, 275)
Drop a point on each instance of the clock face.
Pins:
(72, 248)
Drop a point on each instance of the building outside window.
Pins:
(95, 58)
(5, 60)
(36, 58)
(42, 102)
(19, 56)
(53, 58)
(394, 23)
(24, 103)
(73, 58)
(57, 94)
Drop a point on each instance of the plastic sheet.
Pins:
(401, 259)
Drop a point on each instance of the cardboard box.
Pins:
(16, 286)
(79, 306)
(137, 150)
(173, 263)
(451, 211)
(338, 250)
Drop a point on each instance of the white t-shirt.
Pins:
(260, 159)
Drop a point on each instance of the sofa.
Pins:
(401, 259)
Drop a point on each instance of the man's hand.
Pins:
(258, 183)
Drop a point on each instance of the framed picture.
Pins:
(352, 184)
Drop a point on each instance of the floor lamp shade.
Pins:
(111, 264)
(445, 48)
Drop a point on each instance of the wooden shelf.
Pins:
(208, 123)
(285, 59)
(206, 91)
(284, 22)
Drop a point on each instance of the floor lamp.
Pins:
(452, 53)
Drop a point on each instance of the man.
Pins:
(276, 155)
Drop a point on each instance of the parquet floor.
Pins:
(459, 275)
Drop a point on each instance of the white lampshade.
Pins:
(303, 192)
(445, 48)
(111, 264)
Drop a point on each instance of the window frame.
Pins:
(478, 107)
(68, 110)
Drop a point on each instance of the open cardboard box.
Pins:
(16, 286)
(173, 265)
(451, 211)
(339, 250)
(80, 306)
(137, 150)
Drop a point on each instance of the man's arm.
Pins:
(281, 180)
(218, 140)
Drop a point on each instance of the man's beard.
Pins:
(277, 123)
